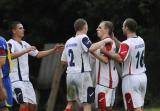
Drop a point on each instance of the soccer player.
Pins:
(76, 56)
(6, 98)
(131, 55)
(107, 77)
(21, 86)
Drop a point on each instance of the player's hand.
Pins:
(103, 50)
(58, 48)
(31, 48)
(3, 95)
(107, 40)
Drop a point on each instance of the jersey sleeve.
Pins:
(108, 46)
(3, 49)
(32, 53)
(86, 43)
(123, 51)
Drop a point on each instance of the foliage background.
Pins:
(51, 21)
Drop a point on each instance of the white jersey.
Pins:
(20, 70)
(106, 73)
(76, 54)
(134, 58)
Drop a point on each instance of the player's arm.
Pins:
(100, 57)
(121, 56)
(56, 48)
(20, 53)
(99, 44)
(113, 55)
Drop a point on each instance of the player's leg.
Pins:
(132, 93)
(23, 107)
(20, 95)
(87, 107)
(71, 92)
(104, 98)
(9, 101)
(4, 109)
(138, 109)
(30, 94)
(32, 107)
(69, 106)
(127, 93)
(86, 91)
(142, 90)
(111, 99)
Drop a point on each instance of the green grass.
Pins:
(146, 109)
(153, 109)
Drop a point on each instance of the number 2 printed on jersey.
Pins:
(71, 55)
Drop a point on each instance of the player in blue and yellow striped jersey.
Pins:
(6, 99)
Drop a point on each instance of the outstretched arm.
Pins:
(56, 48)
(20, 53)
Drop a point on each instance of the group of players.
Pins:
(77, 53)
(14, 70)
(78, 50)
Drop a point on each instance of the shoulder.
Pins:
(2, 40)
(3, 43)
(140, 38)
(69, 40)
(124, 42)
(25, 43)
(84, 38)
(11, 41)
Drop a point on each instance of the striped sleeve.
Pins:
(3, 49)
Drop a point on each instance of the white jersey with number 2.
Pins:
(76, 54)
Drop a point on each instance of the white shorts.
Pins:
(134, 90)
(77, 85)
(23, 92)
(109, 95)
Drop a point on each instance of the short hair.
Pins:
(131, 24)
(108, 25)
(79, 24)
(14, 24)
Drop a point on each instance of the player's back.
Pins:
(76, 55)
(134, 63)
